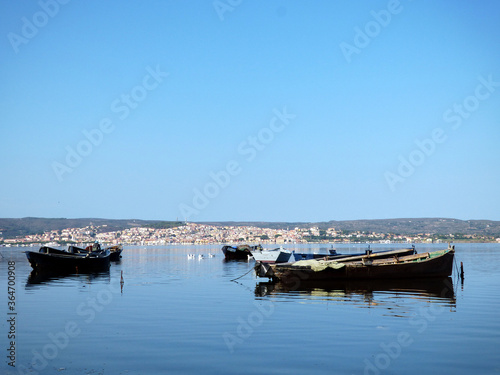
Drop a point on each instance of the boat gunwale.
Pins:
(384, 255)
(408, 259)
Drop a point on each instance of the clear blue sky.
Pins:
(314, 110)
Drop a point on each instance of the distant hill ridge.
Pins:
(396, 226)
(11, 228)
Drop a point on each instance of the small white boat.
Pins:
(278, 255)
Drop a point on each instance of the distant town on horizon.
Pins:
(38, 231)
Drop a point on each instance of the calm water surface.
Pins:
(176, 315)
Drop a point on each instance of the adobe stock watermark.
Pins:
(455, 116)
(121, 107)
(364, 36)
(223, 6)
(30, 26)
(59, 341)
(247, 326)
(248, 149)
(389, 352)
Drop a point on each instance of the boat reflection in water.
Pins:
(40, 277)
(364, 293)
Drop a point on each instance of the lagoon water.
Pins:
(175, 315)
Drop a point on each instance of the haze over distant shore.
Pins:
(12, 227)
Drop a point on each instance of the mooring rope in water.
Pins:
(246, 273)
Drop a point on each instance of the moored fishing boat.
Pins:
(115, 252)
(429, 264)
(54, 260)
(239, 252)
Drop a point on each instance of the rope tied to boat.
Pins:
(246, 273)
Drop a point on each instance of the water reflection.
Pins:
(229, 261)
(375, 293)
(37, 277)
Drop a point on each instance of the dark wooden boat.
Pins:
(430, 264)
(50, 259)
(115, 252)
(239, 252)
